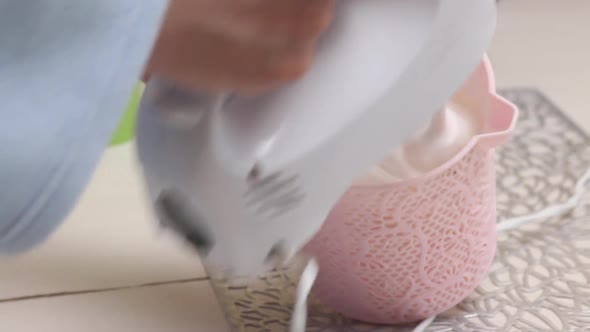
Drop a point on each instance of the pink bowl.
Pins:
(402, 252)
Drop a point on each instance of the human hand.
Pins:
(247, 46)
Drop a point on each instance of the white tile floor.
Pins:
(110, 240)
(186, 307)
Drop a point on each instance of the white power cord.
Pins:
(424, 325)
(551, 211)
(308, 277)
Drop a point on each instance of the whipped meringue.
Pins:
(448, 132)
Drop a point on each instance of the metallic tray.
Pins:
(540, 280)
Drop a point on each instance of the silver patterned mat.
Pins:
(540, 280)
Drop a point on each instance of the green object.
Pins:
(126, 129)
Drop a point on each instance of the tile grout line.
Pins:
(100, 290)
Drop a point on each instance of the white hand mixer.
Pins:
(248, 181)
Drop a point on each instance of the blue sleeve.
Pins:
(67, 69)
